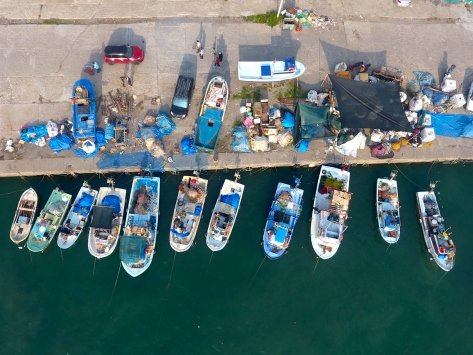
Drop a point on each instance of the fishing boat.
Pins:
(77, 217)
(270, 71)
(387, 208)
(224, 214)
(283, 215)
(49, 220)
(439, 243)
(24, 216)
(211, 114)
(141, 225)
(84, 119)
(330, 211)
(187, 212)
(106, 220)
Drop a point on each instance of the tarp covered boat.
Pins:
(106, 220)
(224, 215)
(211, 115)
(283, 216)
(77, 216)
(267, 71)
(50, 218)
(141, 225)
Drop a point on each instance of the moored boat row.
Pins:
(138, 240)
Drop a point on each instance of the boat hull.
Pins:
(435, 241)
(24, 216)
(47, 224)
(387, 210)
(77, 217)
(141, 226)
(224, 215)
(211, 115)
(282, 219)
(103, 239)
(84, 119)
(254, 71)
(326, 236)
(187, 212)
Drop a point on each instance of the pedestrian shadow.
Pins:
(467, 81)
(223, 70)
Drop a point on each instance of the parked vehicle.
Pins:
(182, 97)
(123, 54)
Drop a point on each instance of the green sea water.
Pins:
(370, 298)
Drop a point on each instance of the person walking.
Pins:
(217, 61)
(96, 67)
(201, 53)
(198, 46)
(220, 57)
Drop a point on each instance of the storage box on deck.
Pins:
(344, 74)
(427, 134)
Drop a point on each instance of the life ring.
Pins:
(292, 70)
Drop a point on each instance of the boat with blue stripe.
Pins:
(283, 216)
(84, 119)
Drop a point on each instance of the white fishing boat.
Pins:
(224, 214)
(24, 216)
(77, 217)
(106, 220)
(387, 208)
(268, 71)
(330, 211)
(211, 115)
(187, 212)
(141, 225)
(439, 243)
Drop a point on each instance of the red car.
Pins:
(123, 54)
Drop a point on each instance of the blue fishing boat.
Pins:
(211, 115)
(84, 119)
(283, 215)
(141, 225)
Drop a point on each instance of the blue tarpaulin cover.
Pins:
(164, 126)
(138, 159)
(112, 201)
(60, 143)
(231, 199)
(34, 133)
(452, 125)
(187, 145)
(208, 129)
(84, 204)
(288, 120)
(303, 146)
(240, 141)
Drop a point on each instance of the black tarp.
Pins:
(102, 217)
(370, 105)
(312, 122)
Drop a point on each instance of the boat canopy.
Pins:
(370, 105)
(281, 232)
(280, 216)
(208, 128)
(102, 217)
(132, 248)
(313, 122)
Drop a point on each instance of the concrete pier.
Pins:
(45, 46)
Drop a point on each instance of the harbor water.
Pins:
(370, 298)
